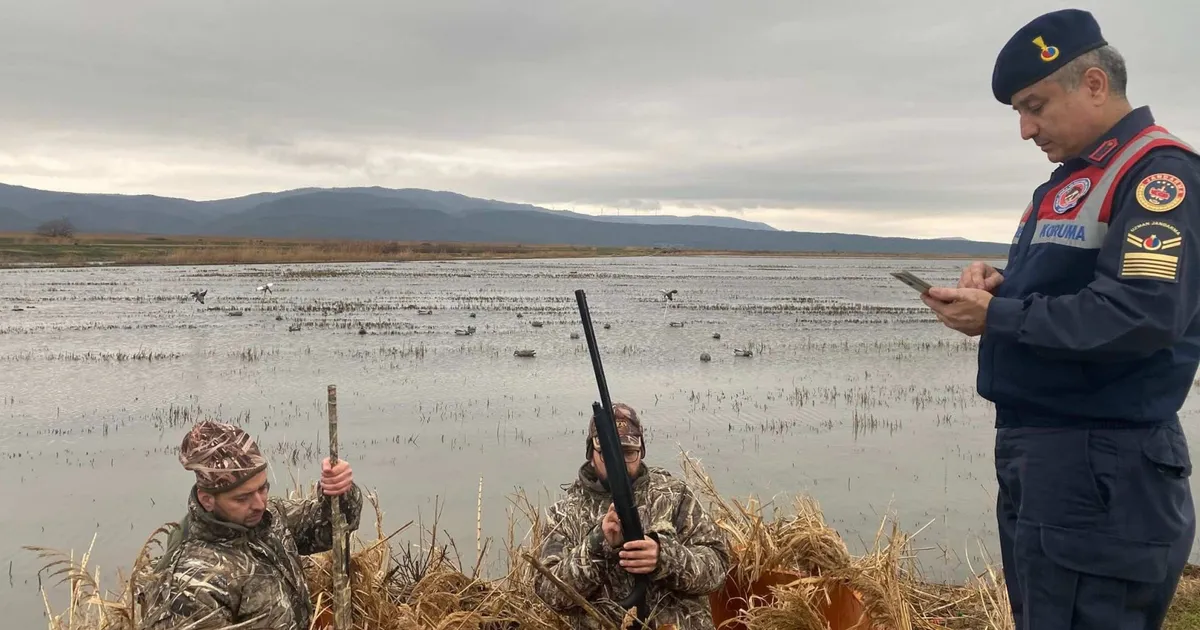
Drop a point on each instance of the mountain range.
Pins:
(413, 214)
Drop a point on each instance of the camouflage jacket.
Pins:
(693, 557)
(216, 574)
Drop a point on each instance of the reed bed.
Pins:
(352, 251)
(886, 579)
(428, 587)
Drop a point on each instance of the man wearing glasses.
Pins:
(684, 551)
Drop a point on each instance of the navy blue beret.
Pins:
(1042, 46)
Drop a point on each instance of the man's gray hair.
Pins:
(1105, 58)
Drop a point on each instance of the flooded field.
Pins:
(852, 391)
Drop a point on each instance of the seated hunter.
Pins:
(235, 559)
(684, 553)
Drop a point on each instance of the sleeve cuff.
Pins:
(597, 547)
(1004, 317)
(666, 549)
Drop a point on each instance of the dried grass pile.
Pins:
(887, 579)
(428, 588)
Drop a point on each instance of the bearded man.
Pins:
(235, 559)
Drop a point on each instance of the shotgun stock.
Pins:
(614, 463)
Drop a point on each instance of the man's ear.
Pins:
(207, 501)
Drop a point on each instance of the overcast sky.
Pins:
(873, 117)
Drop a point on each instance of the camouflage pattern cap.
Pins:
(629, 427)
(221, 455)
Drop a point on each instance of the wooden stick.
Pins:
(341, 581)
(588, 609)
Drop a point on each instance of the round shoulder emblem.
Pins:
(1160, 192)
(1070, 195)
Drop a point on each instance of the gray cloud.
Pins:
(869, 106)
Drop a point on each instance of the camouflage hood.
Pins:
(225, 573)
(693, 554)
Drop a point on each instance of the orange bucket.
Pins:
(843, 610)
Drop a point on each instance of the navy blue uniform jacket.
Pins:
(1095, 323)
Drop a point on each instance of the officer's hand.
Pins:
(640, 556)
(336, 480)
(980, 275)
(964, 310)
(610, 525)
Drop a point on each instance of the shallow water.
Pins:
(853, 394)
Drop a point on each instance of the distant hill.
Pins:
(413, 214)
(660, 219)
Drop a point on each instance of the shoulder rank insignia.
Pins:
(1152, 250)
(1160, 192)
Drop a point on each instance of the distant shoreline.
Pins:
(25, 250)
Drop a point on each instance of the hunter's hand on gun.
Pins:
(336, 480)
(637, 556)
(611, 526)
(640, 556)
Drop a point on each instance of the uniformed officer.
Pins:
(1090, 341)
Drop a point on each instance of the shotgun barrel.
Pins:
(614, 463)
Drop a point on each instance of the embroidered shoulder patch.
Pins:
(1160, 192)
(1069, 196)
(1152, 250)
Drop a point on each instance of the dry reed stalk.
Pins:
(992, 594)
(571, 593)
(479, 527)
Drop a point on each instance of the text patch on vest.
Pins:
(1151, 250)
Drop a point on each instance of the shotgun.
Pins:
(614, 463)
(341, 538)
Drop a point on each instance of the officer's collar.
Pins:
(1102, 150)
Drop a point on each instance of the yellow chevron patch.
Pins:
(1151, 250)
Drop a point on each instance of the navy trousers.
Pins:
(1096, 525)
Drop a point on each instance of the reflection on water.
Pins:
(853, 393)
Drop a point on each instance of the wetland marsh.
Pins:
(852, 392)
